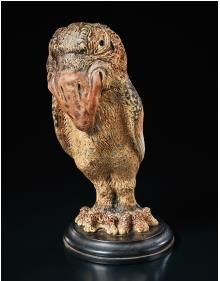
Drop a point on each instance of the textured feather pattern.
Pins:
(135, 116)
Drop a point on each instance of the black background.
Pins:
(172, 62)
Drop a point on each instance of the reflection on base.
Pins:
(79, 270)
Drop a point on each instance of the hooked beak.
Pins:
(78, 95)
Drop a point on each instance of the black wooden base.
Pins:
(100, 247)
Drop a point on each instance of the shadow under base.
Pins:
(100, 247)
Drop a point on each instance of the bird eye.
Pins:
(82, 51)
(101, 43)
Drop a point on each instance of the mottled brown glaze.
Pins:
(98, 117)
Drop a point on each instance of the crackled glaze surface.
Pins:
(98, 118)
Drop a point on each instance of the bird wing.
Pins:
(60, 126)
(135, 118)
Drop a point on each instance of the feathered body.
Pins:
(98, 118)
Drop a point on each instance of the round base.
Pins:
(100, 247)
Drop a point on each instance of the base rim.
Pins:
(79, 243)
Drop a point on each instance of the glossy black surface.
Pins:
(100, 247)
(152, 271)
(172, 61)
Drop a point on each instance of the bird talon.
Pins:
(113, 223)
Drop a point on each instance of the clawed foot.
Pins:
(92, 219)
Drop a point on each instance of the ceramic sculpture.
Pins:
(98, 118)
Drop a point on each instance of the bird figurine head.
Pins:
(85, 60)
